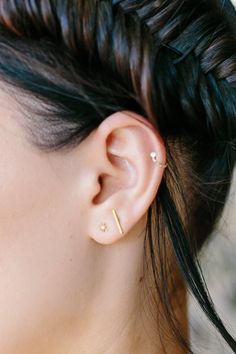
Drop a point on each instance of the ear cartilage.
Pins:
(117, 222)
(153, 156)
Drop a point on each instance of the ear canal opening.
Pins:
(96, 199)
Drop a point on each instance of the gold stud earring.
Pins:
(117, 222)
(103, 227)
(153, 156)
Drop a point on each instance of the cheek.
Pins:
(39, 254)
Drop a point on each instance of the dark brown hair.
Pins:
(173, 62)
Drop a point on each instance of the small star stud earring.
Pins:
(103, 227)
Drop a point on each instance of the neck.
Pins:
(118, 315)
(122, 318)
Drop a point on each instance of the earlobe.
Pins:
(130, 167)
(103, 226)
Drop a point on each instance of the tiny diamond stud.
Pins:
(153, 156)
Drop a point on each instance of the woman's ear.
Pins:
(126, 152)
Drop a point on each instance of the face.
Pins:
(42, 244)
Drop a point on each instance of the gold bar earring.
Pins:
(117, 222)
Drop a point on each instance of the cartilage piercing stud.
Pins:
(153, 156)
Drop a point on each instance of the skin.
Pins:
(65, 285)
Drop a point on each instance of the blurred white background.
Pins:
(218, 260)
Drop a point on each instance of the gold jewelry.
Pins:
(153, 156)
(117, 221)
(103, 227)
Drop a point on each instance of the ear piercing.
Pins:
(153, 156)
(117, 221)
(104, 228)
